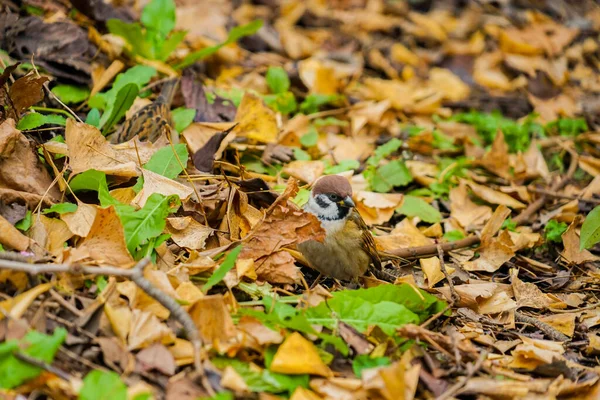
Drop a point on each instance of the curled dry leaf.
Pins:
(188, 233)
(146, 330)
(465, 211)
(156, 183)
(80, 222)
(11, 237)
(27, 91)
(211, 316)
(17, 306)
(572, 253)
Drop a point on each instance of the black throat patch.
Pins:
(342, 212)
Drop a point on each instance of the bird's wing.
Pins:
(368, 243)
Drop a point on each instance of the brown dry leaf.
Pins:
(296, 355)
(396, 381)
(535, 352)
(377, 208)
(11, 237)
(318, 77)
(231, 380)
(80, 222)
(555, 107)
(263, 335)
(156, 357)
(27, 91)
(541, 37)
(528, 294)
(282, 228)
(88, 149)
(278, 267)
(22, 174)
(536, 164)
(105, 242)
(156, 183)
(572, 254)
(255, 120)
(593, 347)
(465, 211)
(18, 305)
(50, 233)
(493, 196)
(119, 318)
(146, 330)
(199, 133)
(496, 160)
(138, 299)
(188, 233)
(304, 394)
(211, 316)
(306, 171)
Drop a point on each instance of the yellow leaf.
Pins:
(299, 356)
(255, 120)
(16, 307)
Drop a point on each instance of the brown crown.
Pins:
(332, 184)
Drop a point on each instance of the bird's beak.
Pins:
(347, 202)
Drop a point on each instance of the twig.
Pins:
(136, 274)
(454, 389)
(435, 316)
(542, 326)
(455, 296)
(43, 365)
(539, 203)
(562, 196)
(432, 249)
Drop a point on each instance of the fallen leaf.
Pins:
(572, 253)
(296, 355)
(211, 316)
(493, 196)
(105, 242)
(146, 330)
(255, 120)
(11, 237)
(18, 305)
(188, 233)
(156, 183)
(80, 222)
(156, 357)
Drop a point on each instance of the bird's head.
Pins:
(331, 198)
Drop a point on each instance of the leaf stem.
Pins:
(51, 110)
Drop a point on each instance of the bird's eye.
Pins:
(334, 197)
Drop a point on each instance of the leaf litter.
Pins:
(150, 252)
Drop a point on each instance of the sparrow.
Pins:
(349, 247)
(151, 121)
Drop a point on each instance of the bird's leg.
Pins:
(316, 282)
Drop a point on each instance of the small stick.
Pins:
(454, 389)
(550, 331)
(43, 365)
(431, 250)
(562, 196)
(455, 296)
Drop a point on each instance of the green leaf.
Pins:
(509, 224)
(219, 396)
(365, 361)
(235, 95)
(385, 178)
(103, 385)
(170, 44)
(88, 180)
(70, 94)
(344, 165)
(140, 75)
(310, 138)
(61, 208)
(183, 117)
(168, 163)
(234, 35)
(159, 15)
(384, 151)
(590, 230)
(25, 223)
(329, 121)
(93, 118)
(417, 207)
(553, 231)
(37, 345)
(387, 306)
(148, 222)
(117, 110)
(313, 102)
(263, 380)
(301, 155)
(35, 120)
(133, 35)
(223, 269)
(284, 102)
(453, 236)
(277, 80)
(301, 197)
(568, 126)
